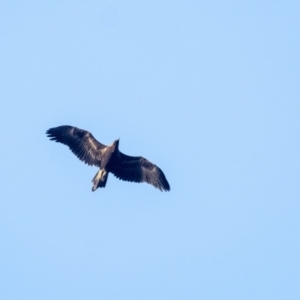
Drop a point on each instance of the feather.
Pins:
(81, 143)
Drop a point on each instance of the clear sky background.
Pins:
(208, 91)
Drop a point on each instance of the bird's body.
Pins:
(108, 158)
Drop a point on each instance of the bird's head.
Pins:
(116, 144)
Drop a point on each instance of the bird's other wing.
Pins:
(139, 169)
(81, 143)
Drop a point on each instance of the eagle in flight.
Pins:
(108, 158)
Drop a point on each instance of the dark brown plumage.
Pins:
(108, 158)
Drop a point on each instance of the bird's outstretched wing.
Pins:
(139, 169)
(81, 143)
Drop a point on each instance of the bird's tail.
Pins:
(99, 180)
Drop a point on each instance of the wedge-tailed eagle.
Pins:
(108, 158)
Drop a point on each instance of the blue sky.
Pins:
(208, 91)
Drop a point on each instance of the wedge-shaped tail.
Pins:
(99, 180)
